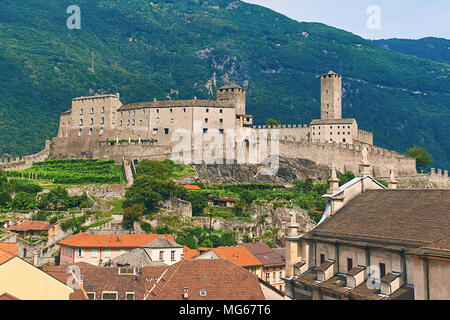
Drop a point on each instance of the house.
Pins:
(274, 266)
(238, 255)
(188, 279)
(98, 249)
(30, 228)
(21, 280)
(225, 202)
(161, 251)
(383, 244)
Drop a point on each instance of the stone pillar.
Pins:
(334, 181)
(392, 183)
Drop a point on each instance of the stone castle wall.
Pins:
(26, 161)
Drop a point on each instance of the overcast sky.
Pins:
(412, 19)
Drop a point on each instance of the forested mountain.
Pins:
(184, 48)
(436, 49)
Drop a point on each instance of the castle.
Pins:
(102, 127)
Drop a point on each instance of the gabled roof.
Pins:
(218, 279)
(135, 258)
(87, 240)
(264, 253)
(7, 296)
(31, 225)
(162, 242)
(396, 218)
(352, 182)
(238, 255)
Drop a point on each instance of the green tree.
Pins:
(156, 169)
(147, 227)
(188, 241)
(163, 229)
(5, 199)
(24, 201)
(227, 239)
(132, 214)
(142, 192)
(272, 122)
(346, 177)
(207, 243)
(423, 158)
(198, 200)
(246, 239)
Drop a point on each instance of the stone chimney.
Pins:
(392, 183)
(334, 181)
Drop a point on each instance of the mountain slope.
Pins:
(435, 49)
(181, 49)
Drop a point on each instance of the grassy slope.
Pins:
(144, 49)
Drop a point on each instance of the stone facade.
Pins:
(102, 127)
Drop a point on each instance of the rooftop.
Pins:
(31, 225)
(332, 121)
(264, 253)
(10, 247)
(176, 103)
(238, 255)
(411, 219)
(86, 240)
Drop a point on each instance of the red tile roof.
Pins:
(87, 240)
(190, 253)
(264, 253)
(238, 255)
(220, 279)
(10, 247)
(31, 225)
(5, 256)
(191, 187)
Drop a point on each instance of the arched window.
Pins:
(81, 111)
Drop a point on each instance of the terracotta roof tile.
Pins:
(10, 247)
(5, 256)
(190, 253)
(111, 240)
(264, 253)
(191, 187)
(31, 225)
(238, 255)
(220, 280)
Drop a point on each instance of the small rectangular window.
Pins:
(107, 253)
(322, 258)
(130, 296)
(109, 296)
(349, 264)
(94, 253)
(166, 130)
(172, 255)
(161, 255)
(382, 270)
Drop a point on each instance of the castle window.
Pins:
(157, 120)
(349, 127)
(349, 133)
(92, 110)
(221, 131)
(79, 132)
(90, 131)
(314, 134)
(339, 133)
(221, 120)
(344, 140)
(155, 130)
(101, 131)
(343, 133)
(103, 109)
(81, 111)
(134, 112)
(128, 112)
(172, 120)
(207, 110)
(205, 130)
(206, 120)
(331, 127)
(157, 110)
(166, 130)
(81, 122)
(140, 121)
(322, 258)
(339, 127)
(103, 120)
(121, 113)
(120, 122)
(221, 110)
(143, 111)
(184, 109)
(133, 122)
(382, 270)
(170, 110)
(128, 122)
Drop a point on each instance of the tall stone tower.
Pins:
(331, 96)
(235, 95)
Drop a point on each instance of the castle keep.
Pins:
(102, 127)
